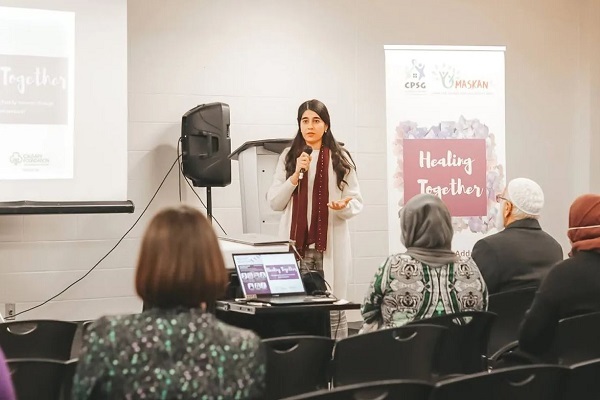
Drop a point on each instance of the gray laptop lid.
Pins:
(268, 274)
(255, 239)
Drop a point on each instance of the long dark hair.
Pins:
(340, 157)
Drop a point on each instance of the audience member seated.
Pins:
(522, 254)
(429, 279)
(572, 286)
(174, 349)
(7, 392)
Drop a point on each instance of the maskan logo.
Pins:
(415, 76)
(450, 78)
(16, 158)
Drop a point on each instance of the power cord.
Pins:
(180, 167)
(109, 252)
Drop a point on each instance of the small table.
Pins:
(282, 320)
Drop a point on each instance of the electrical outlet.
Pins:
(9, 311)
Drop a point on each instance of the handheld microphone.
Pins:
(308, 150)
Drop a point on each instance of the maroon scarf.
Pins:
(317, 232)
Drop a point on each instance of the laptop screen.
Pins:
(268, 274)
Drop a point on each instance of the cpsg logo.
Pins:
(415, 76)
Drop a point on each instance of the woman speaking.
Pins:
(315, 184)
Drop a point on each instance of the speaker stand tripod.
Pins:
(209, 204)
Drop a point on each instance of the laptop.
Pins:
(273, 278)
(255, 239)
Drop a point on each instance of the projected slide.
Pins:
(36, 93)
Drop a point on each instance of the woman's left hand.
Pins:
(340, 204)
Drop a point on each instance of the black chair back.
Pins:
(68, 379)
(382, 390)
(583, 381)
(510, 308)
(464, 346)
(545, 382)
(297, 364)
(41, 379)
(85, 326)
(407, 352)
(47, 339)
(576, 339)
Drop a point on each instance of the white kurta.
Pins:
(337, 258)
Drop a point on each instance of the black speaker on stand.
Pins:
(205, 148)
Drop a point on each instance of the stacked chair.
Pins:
(297, 364)
(510, 308)
(583, 381)
(444, 358)
(42, 379)
(464, 345)
(577, 339)
(517, 383)
(38, 354)
(380, 390)
(438, 358)
(408, 352)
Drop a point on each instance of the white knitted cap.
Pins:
(526, 195)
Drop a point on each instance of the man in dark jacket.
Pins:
(521, 255)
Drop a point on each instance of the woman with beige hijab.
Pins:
(429, 279)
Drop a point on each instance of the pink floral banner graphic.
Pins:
(455, 161)
(453, 170)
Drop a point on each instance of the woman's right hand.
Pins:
(302, 162)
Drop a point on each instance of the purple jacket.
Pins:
(7, 392)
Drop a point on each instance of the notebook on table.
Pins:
(273, 278)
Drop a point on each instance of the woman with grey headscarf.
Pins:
(429, 279)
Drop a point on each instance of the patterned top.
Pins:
(169, 354)
(405, 289)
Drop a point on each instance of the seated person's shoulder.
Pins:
(491, 240)
(115, 326)
(237, 335)
(466, 260)
(468, 263)
(108, 322)
(402, 258)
